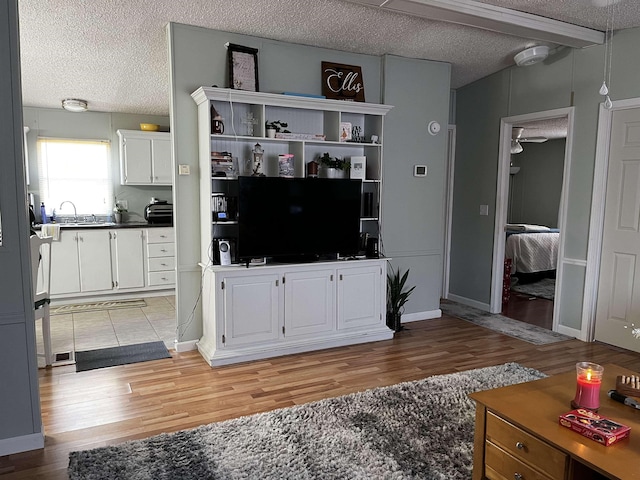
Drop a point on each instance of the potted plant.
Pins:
(397, 296)
(333, 167)
(276, 126)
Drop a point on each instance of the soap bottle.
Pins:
(43, 213)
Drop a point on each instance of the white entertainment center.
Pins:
(274, 309)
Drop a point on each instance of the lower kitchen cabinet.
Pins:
(98, 261)
(271, 310)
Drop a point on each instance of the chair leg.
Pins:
(46, 335)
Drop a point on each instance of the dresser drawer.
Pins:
(160, 264)
(499, 465)
(525, 447)
(161, 250)
(160, 235)
(162, 278)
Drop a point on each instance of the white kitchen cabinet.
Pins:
(161, 257)
(145, 158)
(65, 266)
(277, 309)
(94, 255)
(127, 258)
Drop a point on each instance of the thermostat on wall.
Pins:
(419, 170)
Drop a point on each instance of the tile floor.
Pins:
(71, 332)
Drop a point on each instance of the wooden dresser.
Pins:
(518, 436)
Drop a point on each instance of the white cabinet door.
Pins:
(359, 300)
(94, 254)
(161, 161)
(65, 269)
(251, 309)
(128, 257)
(309, 302)
(136, 161)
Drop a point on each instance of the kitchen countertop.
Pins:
(111, 225)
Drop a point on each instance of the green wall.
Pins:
(198, 57)
(569, 74)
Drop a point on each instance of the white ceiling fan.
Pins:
(517, 139)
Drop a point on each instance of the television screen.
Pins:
(291, 217)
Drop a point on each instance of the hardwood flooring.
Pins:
(113, 405)
(529, 309)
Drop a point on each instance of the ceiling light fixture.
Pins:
(516, 147)
(75, 105)
(531, 55)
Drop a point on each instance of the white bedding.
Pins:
(532, 252)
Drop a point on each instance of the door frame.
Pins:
(502, 199)
(448, 210)
(596, 223)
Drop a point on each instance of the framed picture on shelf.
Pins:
(358, 167)
(243, 68)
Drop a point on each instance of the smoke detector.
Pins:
(531, 55)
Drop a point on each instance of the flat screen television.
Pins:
(297, 219)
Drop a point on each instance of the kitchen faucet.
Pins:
(75, 212)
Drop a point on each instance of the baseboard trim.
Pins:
(470, 303)
(186, 346)
(414, 317)
(25, 443)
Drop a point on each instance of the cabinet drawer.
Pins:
(160, 264)
(526, 447)
(162, 278)
(160, 250)
(160, 235)
(499, 465)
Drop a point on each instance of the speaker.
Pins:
(372, 247)
(224, 247)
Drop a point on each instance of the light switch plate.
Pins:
(183, 170)
(484, 209)
(419, 170)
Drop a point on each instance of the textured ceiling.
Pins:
(113, 53)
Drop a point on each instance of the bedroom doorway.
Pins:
(532, 176)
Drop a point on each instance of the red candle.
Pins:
(589, 380)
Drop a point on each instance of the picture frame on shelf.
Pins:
(358, 167)
(243, 68)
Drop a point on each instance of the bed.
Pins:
(533, 250)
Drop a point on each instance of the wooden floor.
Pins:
(112, 405)
(529, 309)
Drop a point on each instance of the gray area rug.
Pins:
(495, 321)
(545, 288)
(421, 429)
(123, 355)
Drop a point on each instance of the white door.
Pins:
(128, 258)
(618, 304)
(161, 161)
(308, 302)
(359, 297)
(94, 253)
(251, 309)
(65, 270)
(137, 161)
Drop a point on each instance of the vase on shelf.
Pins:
(330, 172)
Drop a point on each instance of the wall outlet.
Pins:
(484, 209)
(183, 170)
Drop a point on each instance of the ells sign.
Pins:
(342, 82)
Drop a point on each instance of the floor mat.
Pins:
(545, 288)
(106, 305)
(110, 357)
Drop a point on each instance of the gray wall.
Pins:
(516, 91)
(536, 188)
(20, 418)
(198, 58)
(48, 122)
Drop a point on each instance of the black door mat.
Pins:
(110, 357)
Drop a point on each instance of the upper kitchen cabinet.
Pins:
(145, 158)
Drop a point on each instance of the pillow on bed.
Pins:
(523, 227)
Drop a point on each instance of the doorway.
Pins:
(530, 196)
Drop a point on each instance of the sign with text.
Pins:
(342, 82)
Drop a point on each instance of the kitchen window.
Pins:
(77, 171)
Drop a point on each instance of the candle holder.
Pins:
(588, 382)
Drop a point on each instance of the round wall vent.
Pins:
(531, 55)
